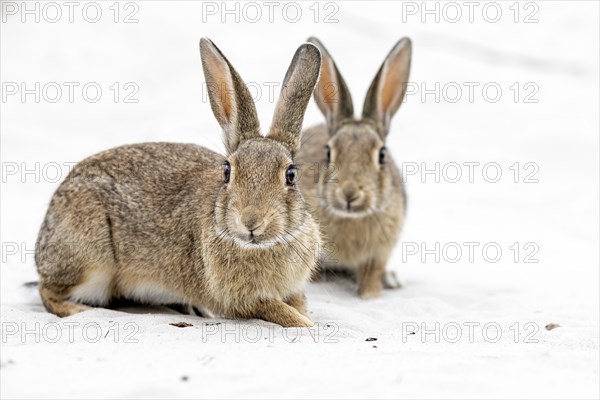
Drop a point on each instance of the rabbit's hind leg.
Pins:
(59, 304)
(75, 255)
(94, 289)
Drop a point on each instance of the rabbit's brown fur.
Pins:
(158, 223)
(358, 200)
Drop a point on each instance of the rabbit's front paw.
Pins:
(304, 322)
(369, 292)
(281, 313)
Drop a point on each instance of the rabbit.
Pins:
(162, 223)
(349, 178)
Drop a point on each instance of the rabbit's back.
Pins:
(149, 183)
(127, 215)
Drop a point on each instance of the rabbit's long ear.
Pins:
(230, 99)
(298, 86)
(389, 87)
(331, 94)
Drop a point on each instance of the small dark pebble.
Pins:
(4, 364)
(551, 326)
(371, 339)
(412, 333)
(374, 347)
(180, 324)
(184, 378)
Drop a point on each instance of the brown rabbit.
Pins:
(164, 223)
(348, 175)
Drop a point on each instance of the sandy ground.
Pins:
(472, 328)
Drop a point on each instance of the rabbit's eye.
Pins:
(328, 149)
(290, 176)
(382, 156)
(226, 171)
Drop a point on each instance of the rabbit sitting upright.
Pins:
(163, 223)
(349, 177)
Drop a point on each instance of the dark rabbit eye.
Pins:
(290, 175)
(382, 155)
(328, 149)
(226, 171)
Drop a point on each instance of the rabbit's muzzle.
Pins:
(251, 225)
(350, 197)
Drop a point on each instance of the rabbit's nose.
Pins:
(350, 193)
(350, 190)
(251, 220)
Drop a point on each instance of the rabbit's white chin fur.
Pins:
(249, 245)
(342, 213)
(263, 244)
(349, 214)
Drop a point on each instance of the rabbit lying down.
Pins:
(178, 223)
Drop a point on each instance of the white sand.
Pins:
(138, 354)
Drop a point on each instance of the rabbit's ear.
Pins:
(331, 94)
(298, 86)
(389, 87)
(230, 99)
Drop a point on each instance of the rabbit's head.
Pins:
(359, 179)
(258, 203)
